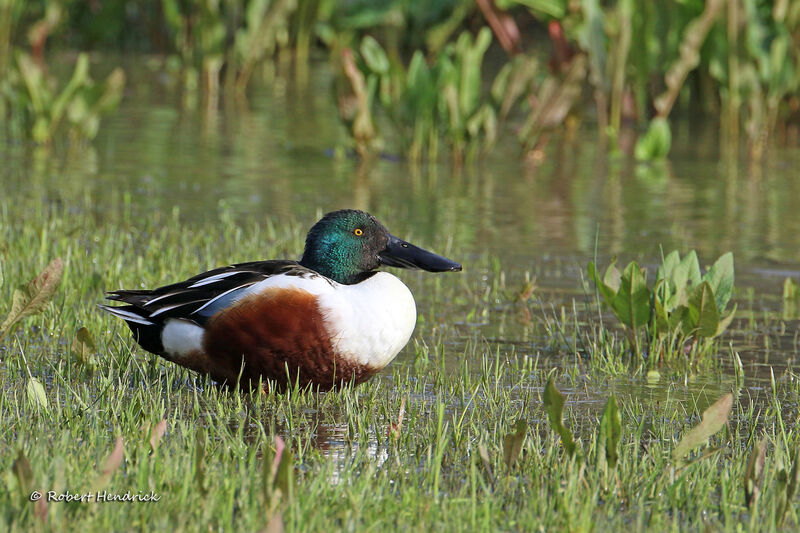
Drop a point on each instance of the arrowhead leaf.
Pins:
(703, 314)
(157, 433)
(725, 322)
(713, 419)
(110, 466)
(23, 472)
(33, 297)
(660, 313)
(610, 433)
(512, 443)
(720, 277)
(83, 347)
(632, 302)
(754, 473)
(554, 405)
(692, 265)
(612, 276)
(36, 393)
(374, 56)
(607, 292)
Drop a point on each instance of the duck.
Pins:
(329, 319)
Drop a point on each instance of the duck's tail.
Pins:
(146, 330)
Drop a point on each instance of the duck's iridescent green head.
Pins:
(347, 245)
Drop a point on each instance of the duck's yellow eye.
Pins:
(359, 232)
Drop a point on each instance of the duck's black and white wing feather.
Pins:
(199, 297)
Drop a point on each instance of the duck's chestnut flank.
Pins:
(279, 334)
(328, 319)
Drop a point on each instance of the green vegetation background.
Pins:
(423, 67)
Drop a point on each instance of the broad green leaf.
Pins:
(656, 142)
(720, 277)
(713, 419)
(36, 393)
(679, 318)
(703, 315)
(83, 347)
(512, 443)
(470, 84)
(693, 268)
(593, 39)
(374, 56)
(285, 478)
(725, 322)
(33, 297)
(632, 302)
(80, 78)
(754, 473)
(607, 292)
(419, 75)
(612, 277)
(500, 82)
(33, 78)
(110, 466)
(653, 377)
(660, 314)
(554, 405)
(674, 274)
(610, 433)
(668, 266)
(552, 8)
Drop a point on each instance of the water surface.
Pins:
(275, 157)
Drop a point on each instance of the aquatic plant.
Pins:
(10, 11)
(32, 297)
(29, 95)
(474, 449)
(81, 102)
(791, 299)
(198, 31)
(682, 306)
(427, 102)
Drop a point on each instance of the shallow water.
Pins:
(274, 157)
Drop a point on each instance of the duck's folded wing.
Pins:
(200, 297)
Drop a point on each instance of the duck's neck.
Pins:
(335, 267)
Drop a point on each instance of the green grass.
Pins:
(445, 467)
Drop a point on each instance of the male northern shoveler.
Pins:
(327, 319)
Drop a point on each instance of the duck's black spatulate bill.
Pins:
(399, 253)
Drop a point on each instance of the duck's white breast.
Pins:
(371, 321)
